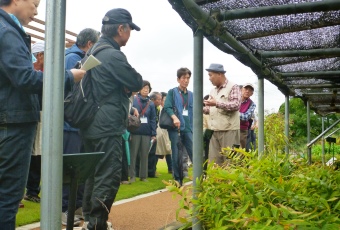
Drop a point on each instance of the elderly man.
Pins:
(156, 98)
(114, 79)
(246, 110)
(34, 174)
(20, 85)
(223, 106)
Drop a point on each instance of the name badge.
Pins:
(144, 120)
(185, 112)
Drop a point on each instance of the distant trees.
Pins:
(298, 120)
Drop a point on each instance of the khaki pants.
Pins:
(219, 140)
(243, 138)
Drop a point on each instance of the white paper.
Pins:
(90, 63)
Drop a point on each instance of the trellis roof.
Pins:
(292, 43)
(36, 30)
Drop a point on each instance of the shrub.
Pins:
(272, 193)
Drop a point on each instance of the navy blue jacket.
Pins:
(72, 56)
(19, 82)
(148, 129)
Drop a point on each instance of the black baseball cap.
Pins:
(119, 15)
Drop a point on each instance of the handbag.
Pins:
(133, 123)
(165, 121)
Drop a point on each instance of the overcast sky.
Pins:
(164, 44)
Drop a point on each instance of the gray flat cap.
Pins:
(218, 68)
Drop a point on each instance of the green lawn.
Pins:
(31, 212)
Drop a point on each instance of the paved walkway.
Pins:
(152, 211)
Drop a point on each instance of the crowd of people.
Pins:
(228, 111)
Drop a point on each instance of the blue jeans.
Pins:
(251, 140)
(186, 138)
(169, 162)
(16, 145)
(72, 144)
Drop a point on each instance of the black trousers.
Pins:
(102, 186)
(34, 176)
(152, 161)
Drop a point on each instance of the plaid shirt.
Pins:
(234, 99)
(247, 115)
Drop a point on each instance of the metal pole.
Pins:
(323, 141)
(198, 119)
(287, 124)
(332, 132)
(53, 118)
(323, 133)
(275, 10)
(261, 115)
(309, 150)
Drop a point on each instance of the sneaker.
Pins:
(132, 179)
(84, 227)
(35, 199)
(144, 180)
(76, 221)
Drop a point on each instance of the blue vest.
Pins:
(179, 105)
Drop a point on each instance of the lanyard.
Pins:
(184, 105)
(143, 110)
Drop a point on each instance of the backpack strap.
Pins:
(94, 52)
(97, 50)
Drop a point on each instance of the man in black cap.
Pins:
(223, 107)
(113, 81)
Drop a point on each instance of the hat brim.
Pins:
(134, 26)
(248, 86)
(216, 71)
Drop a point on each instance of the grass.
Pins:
(31, 212)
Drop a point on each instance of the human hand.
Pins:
(177, 122)
(78, 74)
(210, 102)
(153, 138)
(135, 113)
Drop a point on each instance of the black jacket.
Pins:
(113, 78)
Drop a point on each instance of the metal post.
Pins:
(53, 109)
(287, 124)
(198, 118)
(323, 141)
(309, 150)
(261, 115)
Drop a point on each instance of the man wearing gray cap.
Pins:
(114, 80)
(223, 107)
